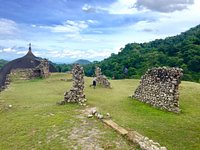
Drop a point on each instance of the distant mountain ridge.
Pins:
(177, 51)
(82, 62)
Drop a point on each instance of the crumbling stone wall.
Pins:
(76, 93)
(43, 68)
(101, 79)
(24, 74)
(159, 88)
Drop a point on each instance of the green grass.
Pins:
(35, 122)
(175, 131)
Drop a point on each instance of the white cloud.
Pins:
(88, 8)
(92, 21)
(81, 54)
(169, 24)
(33, 25)
(68, 26)
(21, 52)
(9, 50)
(122, 7)
(8, 27)
(163, 5)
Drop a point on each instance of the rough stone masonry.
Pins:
(159, 88)
(101, 79)
(76, 93)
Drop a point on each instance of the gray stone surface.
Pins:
(101, 79)
(76, 93)
(159, 88)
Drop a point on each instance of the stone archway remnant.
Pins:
(101, 79)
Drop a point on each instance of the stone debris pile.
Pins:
(94, 113)
(144, 142)
(76, 93)
(159, 88)
(101, 79)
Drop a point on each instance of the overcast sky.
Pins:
(67, 30)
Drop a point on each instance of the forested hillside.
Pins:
(2, 63)
(178, 51)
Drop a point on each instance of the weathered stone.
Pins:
(101, 79)
(115, 126)
(99, 116)
(94, 111)
(90, 116)
(159, 88)
(76, 93)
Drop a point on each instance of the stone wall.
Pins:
(42, 70)
(24, 74)
(159, 88)
(76, 93)
(101, 79)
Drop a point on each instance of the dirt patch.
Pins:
(88, 135)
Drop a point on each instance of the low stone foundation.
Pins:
(159, 88)
(76, 93)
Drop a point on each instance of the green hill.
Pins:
(178, 51)
(2, 63)
(35, 121)
(82, 62)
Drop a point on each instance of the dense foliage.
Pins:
(2, 63)
(178, 51)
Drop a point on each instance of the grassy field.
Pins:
(35, 122)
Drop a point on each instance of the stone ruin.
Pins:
(159, 88)
(101, 79)
(76, 93)
(26, 67)
(42, 70)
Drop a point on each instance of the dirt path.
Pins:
(91, 134)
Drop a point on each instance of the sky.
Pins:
(67, 30)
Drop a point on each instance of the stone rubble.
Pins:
(76, 93)
(101, 79)
(98, 115)
(144, 142)
(159, 88)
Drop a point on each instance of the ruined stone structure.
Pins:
(76, 93)
(27, 67)
(101, 79)
(159, 88)
(42, 70)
